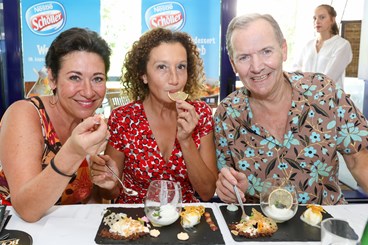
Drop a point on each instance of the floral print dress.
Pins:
(322, 121)
(131, 134)
(79, 187)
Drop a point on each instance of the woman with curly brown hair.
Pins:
(155, 137)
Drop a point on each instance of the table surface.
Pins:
(78, 224)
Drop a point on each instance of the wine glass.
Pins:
(278, 199)
(163, 202)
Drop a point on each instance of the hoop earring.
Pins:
(54, 100)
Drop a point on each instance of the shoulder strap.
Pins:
(37, 103)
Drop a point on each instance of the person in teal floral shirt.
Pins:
(285, 125)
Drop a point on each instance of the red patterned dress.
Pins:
(79, 187)
(131, 133)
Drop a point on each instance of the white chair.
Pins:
(116, 99)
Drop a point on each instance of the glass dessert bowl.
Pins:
(278, 199)
(163, 202)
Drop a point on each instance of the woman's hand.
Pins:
(227, 178)
(187, 120)
(89, 137)
(101, 175)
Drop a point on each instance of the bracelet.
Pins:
(52, 163)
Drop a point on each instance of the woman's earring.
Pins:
(54, 98)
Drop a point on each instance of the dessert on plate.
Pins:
(182, 236)
(122, 227)
(313, 215)
(232, 207)
(279, 203)
(210, 222)
(257, 226)
(162, 215)
(191, 216)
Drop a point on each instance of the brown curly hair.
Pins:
(135, 63)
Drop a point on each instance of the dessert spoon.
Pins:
(127, 190)
(244, 216)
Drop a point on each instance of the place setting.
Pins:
(163, 220)
(8, 237)
(278, 217)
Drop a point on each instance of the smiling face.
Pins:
(322, 20)
(166, 71)
(258, 58)
(81, 83)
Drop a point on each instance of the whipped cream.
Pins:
(167, 215)
(279, 214)
(190, 220)
(312, 215)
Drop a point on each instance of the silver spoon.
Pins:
(127, 190)
(244, 216)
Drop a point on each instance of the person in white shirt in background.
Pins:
(328, 53)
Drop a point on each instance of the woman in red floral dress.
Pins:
(155, 137)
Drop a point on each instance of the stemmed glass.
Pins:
(163, 202)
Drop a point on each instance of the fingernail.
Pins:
(98, 118)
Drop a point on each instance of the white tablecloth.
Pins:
(78, 224)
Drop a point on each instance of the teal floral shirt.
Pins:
(321, 121)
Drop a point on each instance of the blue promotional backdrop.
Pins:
(201, 19)
(43, 21)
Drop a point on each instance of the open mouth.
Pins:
(259, 78)
(85, 102)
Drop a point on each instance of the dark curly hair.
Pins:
(76, 39)
(135, 64)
